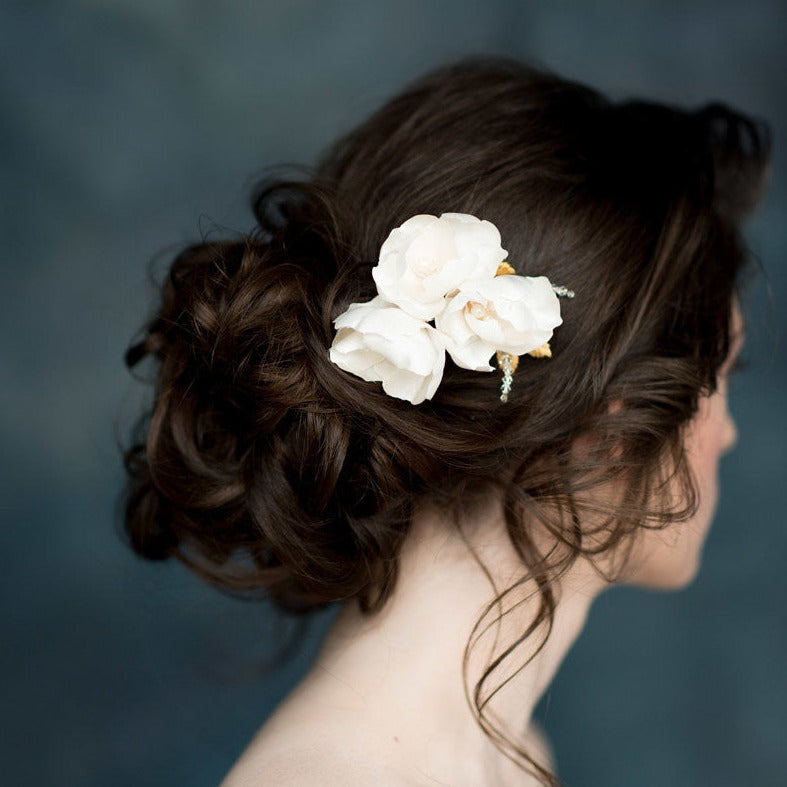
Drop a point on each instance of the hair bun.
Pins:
(239, 473)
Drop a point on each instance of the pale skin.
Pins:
(385, 704)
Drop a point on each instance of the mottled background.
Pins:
(129, 126)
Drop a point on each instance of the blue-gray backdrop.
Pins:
(127, 126)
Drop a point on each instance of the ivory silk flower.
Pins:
(447, 270)
(379, 342)
(511, 314)
(428, 257)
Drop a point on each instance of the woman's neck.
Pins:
(402, 669)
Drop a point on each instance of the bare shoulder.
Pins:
(309, 769)
(314, 762)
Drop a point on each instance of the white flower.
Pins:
(428, 258)
(512, 314)
(378, 342)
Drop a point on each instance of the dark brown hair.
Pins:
(262, 465)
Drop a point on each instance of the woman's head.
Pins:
(264, 465)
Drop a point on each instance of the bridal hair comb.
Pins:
(444, 286)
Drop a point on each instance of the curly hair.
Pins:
(263, 466)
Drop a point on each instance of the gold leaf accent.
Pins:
(504, 269)
(544, 351)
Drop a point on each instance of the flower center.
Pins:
(425, 266)
(481, 311)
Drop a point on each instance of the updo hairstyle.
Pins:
(263, 466)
